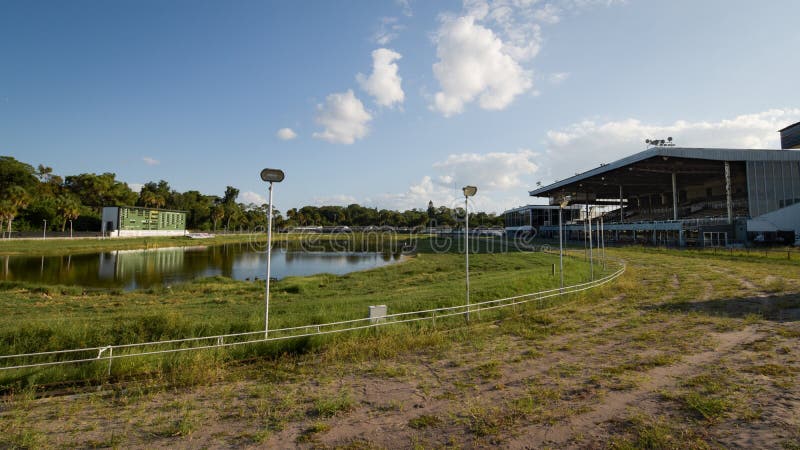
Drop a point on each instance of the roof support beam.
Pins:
(674, 198)
(728, 195)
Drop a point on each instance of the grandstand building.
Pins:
(529, 219)
(687, 196)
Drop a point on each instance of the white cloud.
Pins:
(549, 13)
(558, 77)
(501, 178)
(490, 171)
(338, 199)
(252, 197)
(151, 161)
(473, 64)
(388, 30)
(286, 134)
(587, 144)
(136, 187)
(484, 52)
(405, 5)
(344, 118)
(384, 84)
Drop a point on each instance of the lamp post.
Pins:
(603, 242)
(591, 258)
(270, 176)
(469, 191)
(44, 229)
(564, 202)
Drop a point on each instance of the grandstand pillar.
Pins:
(621, 213)
(681, 242)
(674, 198)
(728, 199)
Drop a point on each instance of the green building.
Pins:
(127, 221)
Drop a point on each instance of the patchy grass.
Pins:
(639, 363)
(424, 421)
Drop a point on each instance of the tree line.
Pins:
(31, 197)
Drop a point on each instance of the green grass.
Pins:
(505, 371)
(44, 318)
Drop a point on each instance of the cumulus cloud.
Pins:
(587, 144)
(286, 134)
(473, 64)
(252, 197)
(136, 187)
(338, 199)
(384, 84)
(151, 161)
(501, 177)
(491, 171)
(549, 13)
(343, 117)
(484, 52)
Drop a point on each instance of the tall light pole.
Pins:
(270, 176)
(591, 259)
(563, 203)
(44, 229)
(469, 191)
(603, 242)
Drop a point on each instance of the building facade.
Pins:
(690, 196)
(132, 221)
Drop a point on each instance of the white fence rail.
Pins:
(112, 352)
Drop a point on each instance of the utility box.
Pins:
(377, 313)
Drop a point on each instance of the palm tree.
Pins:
(217, 214)
(5, 210)
(17, 198)
(68, 209)
(152, 199)
(44, 173)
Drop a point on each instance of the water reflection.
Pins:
(131, 269)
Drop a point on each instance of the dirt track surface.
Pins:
(680, 353)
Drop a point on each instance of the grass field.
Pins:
(46, 318)
(686, 350)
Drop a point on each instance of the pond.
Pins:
(134, 269)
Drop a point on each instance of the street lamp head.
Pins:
(272, 175)
(469, 191)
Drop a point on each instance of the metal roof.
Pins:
(712, 154)
(790, 126)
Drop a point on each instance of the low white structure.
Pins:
(135, 221)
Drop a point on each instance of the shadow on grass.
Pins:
(776, 308)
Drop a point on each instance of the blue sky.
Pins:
(389, 103)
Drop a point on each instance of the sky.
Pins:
(388, 103)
